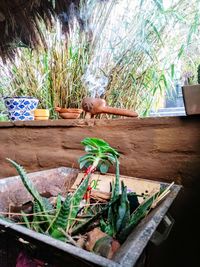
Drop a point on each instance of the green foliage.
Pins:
(99, 153)
(110, 226)
(118, 214)
(117, 218)
(123, 42)
(32, 190)
(123, 213)
(46, 219)
(61, 219)
(76, 200)
(42, 209)
(136, 216)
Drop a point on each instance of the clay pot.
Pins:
(41, 114)
(69, 113)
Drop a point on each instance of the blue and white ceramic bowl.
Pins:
(21, 108)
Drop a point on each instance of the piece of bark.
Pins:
(92, 238)
(100, 195)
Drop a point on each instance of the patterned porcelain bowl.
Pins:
(21, 108)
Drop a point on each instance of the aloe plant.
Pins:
(42, 204)
(63, 217)
(117, 218)
(69, 210)
(99, 153)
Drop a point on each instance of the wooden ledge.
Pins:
(100, 122)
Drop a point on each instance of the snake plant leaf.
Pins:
(84, 226)
(103, 225)
(28, 183)
(25, 219)
(137, 215)
(61, 219)
(76, 200)
(58, 202)
(123, 214)
(113, 210)
(38, 218)
(116, 187)
(48, 206)
(31, 188)
(107, 228)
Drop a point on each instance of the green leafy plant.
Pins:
(43, 210)
(99, 154)
(117, 218)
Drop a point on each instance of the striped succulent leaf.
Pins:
(136, 216)
(61, 219)
(123, 214)
(31, 188)
(76, 200)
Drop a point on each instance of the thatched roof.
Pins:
(19, 21)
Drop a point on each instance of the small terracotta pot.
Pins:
(41, 114)
(69, 113)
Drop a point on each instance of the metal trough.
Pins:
(51, 182)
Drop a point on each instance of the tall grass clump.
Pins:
(52, 74)
(128, 52)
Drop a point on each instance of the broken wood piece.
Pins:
(100, 195)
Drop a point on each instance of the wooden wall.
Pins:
(154, 148)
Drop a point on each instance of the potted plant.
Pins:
(80, 218)
(191, 96)
(21, 107)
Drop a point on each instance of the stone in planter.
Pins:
(21, 108)
(191, 96)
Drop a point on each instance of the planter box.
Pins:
(50, 183)
(191, 97)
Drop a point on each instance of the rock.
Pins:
(101, 243)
